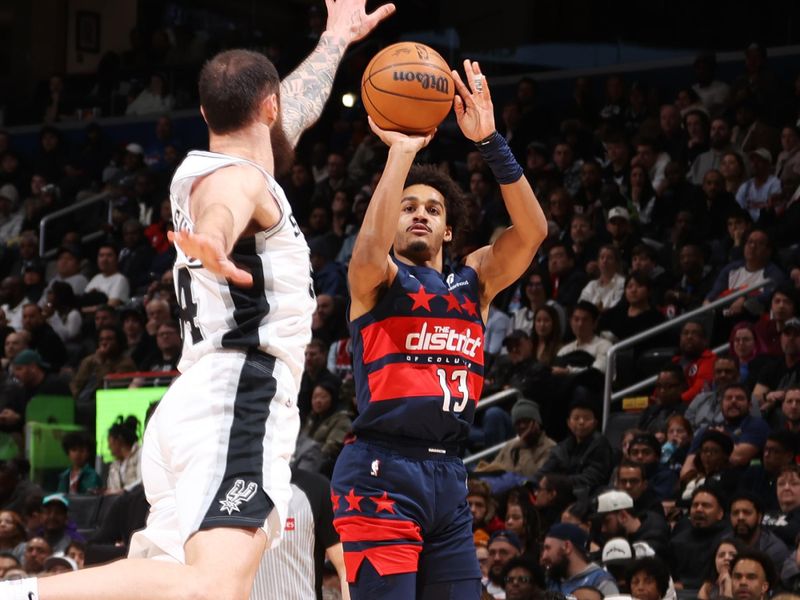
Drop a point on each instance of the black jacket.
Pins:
(691, 550)
(588, 464)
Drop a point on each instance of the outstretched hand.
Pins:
(410, 143)
(349, 18)
(473, 105)
(211, 253)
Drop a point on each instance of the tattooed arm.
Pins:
(306, 89)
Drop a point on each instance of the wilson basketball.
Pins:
(407, 87)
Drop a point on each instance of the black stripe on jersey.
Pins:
(250, 304)
(241, 500)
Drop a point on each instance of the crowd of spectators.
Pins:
(659, 202)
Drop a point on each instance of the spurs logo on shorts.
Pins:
(238, 494)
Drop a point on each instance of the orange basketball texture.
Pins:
(407, 87)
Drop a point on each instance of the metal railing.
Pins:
(53, 216)
(496, 398)
(635, 339)
(473, 458)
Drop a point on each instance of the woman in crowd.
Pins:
(732, 168)
(605, 291)
(534, 296)
(718, 583)
(746, 349)
(125, 472)
(711, 464)
(546, 334)
(61, 313)
(12, 534)
(522, 518)
(327, 423)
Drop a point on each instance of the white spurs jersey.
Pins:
(274, 315)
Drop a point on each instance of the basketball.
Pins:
(407, 87)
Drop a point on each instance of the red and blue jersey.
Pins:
(418, 357)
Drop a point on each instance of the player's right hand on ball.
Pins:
(211, 253)
(396, 139)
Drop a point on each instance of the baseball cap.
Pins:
(567, 532)
(525, 409)
(59, 559)
(9, 192)
(56, 498)
(619, 212)
(134, 148)
(29, 357)
(504, 535)
(793, 323)
(616, 550)
(762, 153)
(613, 500)
(33, 265)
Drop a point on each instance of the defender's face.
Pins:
(422, 228)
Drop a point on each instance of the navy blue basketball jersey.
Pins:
(418, 356)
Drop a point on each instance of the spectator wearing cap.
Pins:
(566, 280)
(526, 453)
(746, 513)
(616, 556)
(33, 271)
(695, 358)
(523, 579)
(10, 217)
(43, 338)
(759, 193)
(619, 228)
(748, 433)
(666, 401)
(564, 557)
(645, 449)
(54, 522)
(584, 456)
(503, 547)
(785, 523)
(691, 547)
(58, 563)
(34, 374)
(109, 283)
(620, 520)
(776, 377)
(68, 270)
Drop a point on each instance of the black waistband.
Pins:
(411, 447)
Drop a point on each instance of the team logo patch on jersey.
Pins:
(290, 525)
(239, 492)
(375, 468)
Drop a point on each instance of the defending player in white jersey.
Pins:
(216, 453)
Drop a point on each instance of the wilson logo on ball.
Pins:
(428, 81)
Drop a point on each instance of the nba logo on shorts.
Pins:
(375, 467)
(238, 494)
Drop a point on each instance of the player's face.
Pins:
(422, 228)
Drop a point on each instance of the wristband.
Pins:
(495, 151)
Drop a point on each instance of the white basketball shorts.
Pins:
(217, 450)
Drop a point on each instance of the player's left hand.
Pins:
(349, 18)
(473, 105)
(211, 254)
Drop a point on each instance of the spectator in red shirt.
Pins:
(782, 307)
(695, 358)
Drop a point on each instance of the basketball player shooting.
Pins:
(216, 453)
(399, 490)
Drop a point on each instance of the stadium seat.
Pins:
(650, 361)
(618, 424)
(84, 510)
(105, 508)
(50, 409)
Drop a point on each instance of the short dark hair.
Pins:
(644, 250)
(232, 85)
(76, 439)
(570, 252)
(454, 200)
(627, 463)
(736, 386)
(711, 490)
(761, 558)
(750, 497)
(654, 567)
(588, 307)
(785, 439)
(529, 564)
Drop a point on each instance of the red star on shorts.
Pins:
(452, 302)
(470, 307)
(384, 503)
(421, 299)
(335, 500)
(353, 501)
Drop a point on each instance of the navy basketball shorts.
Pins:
(403, 511)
